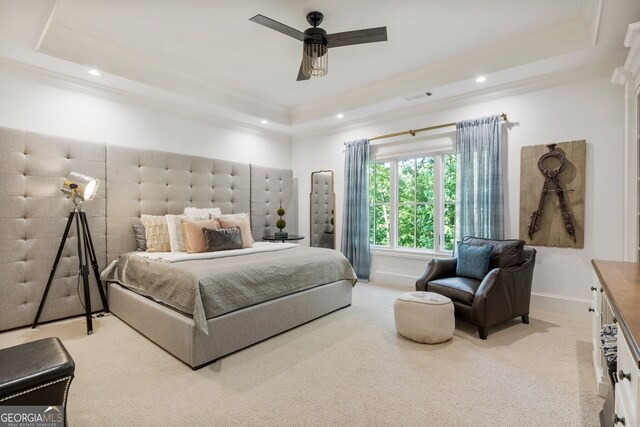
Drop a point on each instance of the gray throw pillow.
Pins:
(222, 239)
(473, 261)
(141, 239)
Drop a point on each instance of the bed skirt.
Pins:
(178, 334)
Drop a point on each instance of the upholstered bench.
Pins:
(35, 373)
(424, 317)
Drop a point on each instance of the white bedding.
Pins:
(183, 256)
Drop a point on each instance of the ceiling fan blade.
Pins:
(301, 75)
(275, 25)
(348, 38)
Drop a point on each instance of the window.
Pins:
(412, 202)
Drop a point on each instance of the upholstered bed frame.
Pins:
(149, 182)
(134, 182)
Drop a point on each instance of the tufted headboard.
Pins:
(33, 215)
(33, 212)
(159, 183)
(270, 189)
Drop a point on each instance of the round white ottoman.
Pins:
(424, 317)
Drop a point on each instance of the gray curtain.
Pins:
(479, 193)
(355, 219)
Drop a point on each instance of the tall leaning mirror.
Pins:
(322, 204)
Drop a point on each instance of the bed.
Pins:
(200, 308)
(196, 332)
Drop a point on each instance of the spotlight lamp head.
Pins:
(79, 187)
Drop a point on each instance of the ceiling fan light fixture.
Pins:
(316, 42)
(315, 60)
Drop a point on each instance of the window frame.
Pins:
(438, 204)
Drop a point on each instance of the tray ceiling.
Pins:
(210, 53)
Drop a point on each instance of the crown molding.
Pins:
(69, 44)
(592, 13)
(621, 76)
(178, 108)
(632, 38)
(173, 104)
(631, 70)
(47, 24)
(541, 82)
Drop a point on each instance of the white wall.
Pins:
(591, 110)
(46, 107)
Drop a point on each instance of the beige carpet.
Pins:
(349, 368)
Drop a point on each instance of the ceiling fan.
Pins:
(316, 42)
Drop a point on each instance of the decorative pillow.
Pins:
(207, 212)
(156, 233)
(473, 261)
(241, 215)
(245, 228)
(222, 239)
(176, 231)
(194, 236)
(506, 253)
(141, 240)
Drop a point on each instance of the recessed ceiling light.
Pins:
(94, 72)
(480, 79)
(340, 115)
(264, 122)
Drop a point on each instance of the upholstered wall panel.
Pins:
(270, 189)
(33, 211)
(159, 183)
(33, 215)
(322, 209)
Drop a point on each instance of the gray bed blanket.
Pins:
(212, 287)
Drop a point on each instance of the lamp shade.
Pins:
(315, 60)
(81, 186)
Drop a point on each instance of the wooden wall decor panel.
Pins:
(572, 178)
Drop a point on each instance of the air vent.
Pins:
(418, 96)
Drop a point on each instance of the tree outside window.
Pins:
(379, 203)
(413, 202)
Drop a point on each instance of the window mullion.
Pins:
(438, 210)
(393, 205)
(375, 201)
(415, 203)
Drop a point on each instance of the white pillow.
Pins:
(209, 212)
(241, 215)
(176, 232)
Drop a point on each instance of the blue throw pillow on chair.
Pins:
(473, 261)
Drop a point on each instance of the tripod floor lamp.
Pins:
(79, 188)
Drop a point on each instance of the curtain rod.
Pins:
(413, 132)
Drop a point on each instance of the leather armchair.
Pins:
(504, 293)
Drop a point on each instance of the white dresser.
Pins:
(616, 299)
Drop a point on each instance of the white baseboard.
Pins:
(560, 304)
(539, 301)
(404, 282)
